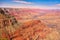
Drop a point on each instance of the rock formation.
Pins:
(10, 29)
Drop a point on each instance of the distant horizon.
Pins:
(30, 8)
(36, 4)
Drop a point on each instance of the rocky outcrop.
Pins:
(7, 23)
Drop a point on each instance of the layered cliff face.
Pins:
(11, 29)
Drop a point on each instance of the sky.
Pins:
(43, 4)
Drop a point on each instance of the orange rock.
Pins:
(32, 29)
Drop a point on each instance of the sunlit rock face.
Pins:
(12, 29)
